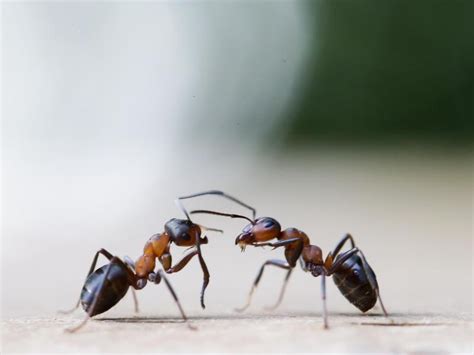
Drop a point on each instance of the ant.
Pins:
(351, 272)
(106, 286)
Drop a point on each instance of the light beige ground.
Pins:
(410, 214)
(350, 332)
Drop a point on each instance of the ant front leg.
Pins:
(278, 263)
(91, 270)
(291, 254)
(185, 260)
(282, 292)
(182, 263)
(204, 270)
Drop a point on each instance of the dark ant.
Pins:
(106, 286)
(351, 272)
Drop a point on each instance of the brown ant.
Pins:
(106, 286)
(351, 272)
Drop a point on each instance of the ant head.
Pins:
(182, 232)
(261, 230)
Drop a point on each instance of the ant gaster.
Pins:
(351, 272)
(106, 286)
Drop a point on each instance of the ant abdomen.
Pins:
(351, 279)
(113, 290)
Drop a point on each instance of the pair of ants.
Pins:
(106, 286)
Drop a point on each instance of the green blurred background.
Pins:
(386, 71)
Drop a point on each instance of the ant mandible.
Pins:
(106, 286)
(351, 272)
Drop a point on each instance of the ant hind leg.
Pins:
(91, 310)
(91, 270)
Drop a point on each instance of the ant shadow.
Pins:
(371, 318)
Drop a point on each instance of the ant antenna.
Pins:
(214, 192)
(181, 207)
(231, 215)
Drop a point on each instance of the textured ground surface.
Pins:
(410, 214)
(261, 333)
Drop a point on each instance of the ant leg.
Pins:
(135, 301)
(182, 263)
(373, 281)
(291, 255)
(185, 260)
(282, 292)
(131, 264)
(205, 272)
(341, 244)
(278, 263)
(341, 259)
(114, 260)
(162, 275)
(323, 297)
(91, 270)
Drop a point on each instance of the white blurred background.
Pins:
(112, 110)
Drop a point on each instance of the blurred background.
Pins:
(331, 116)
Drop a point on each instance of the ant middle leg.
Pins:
(323, 297)
(275, 262)
(291, 256)
(156, 279)
(91, 270)
(161, 275)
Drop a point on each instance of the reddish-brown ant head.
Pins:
(262, 230)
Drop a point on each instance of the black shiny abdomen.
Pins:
(116, 286)
(353, 283)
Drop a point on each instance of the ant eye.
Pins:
(269, 224)
(247, 228)
(185, 236)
